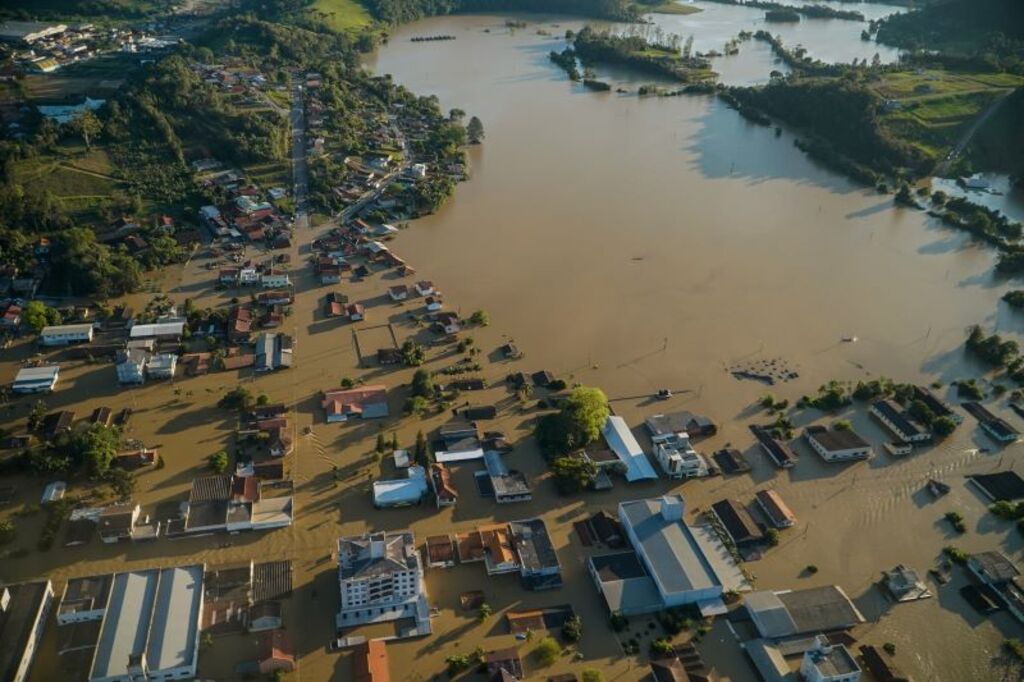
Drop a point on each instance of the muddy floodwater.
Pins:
(637, 244)
(632, 244)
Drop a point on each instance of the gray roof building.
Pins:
(666, 546)
(23, 609)
(151, 626)
(801, 612)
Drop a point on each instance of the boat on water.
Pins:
(663, 394)
(849, 339)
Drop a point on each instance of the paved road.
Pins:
(300, 171)
(968, 135)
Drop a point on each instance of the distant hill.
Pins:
(399, 11)
(115, 9)
(964, 27)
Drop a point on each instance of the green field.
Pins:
(81, 180)
(343, 15)
(670, 7)
(936, 107)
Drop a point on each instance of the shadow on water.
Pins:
(729, 146)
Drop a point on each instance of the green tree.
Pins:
(587, 410)
(38, 315)
(480, 317)
(592, 675)
(475, 131)
(95, 448)
(88, 126)
(420, 450)
(380, 443)
(943, 427)
(7, 531)
(218, 461)
(121, 482)
(661, 647)
(573, 474)
(422, 385)
(484, 612)
(572, 629)
(413, 354)
(547, 652)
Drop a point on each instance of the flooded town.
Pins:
(489, 374)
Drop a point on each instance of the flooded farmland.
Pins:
(632, 244)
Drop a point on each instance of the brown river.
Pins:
(632, 244)
(640, 243)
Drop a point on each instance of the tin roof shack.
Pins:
(779, 452)
(837, 445)
(775, 509)
(117, 522)
(502, 663)
(996, 427)
(84, 599)
(898, 422)
(24, 608)
(151, 628)
(371, 662)
(440, 551)
(939, 407)
(275, 652)
(737, 522)
(1002, 576)
(694, 425)
(36, 379)
(538, 563)
(812, 611)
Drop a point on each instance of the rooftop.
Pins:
(737, 521)
(533, 544)
(622, 442)
(373, 554)
(85, 594)
(835, 440)
(18, 621)
(796, 612)
(895, 415)
(676, 562)
(153, 612)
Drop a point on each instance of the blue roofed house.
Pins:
(624, 445)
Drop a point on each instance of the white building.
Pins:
(678, 459)
(681, 570)
(401, 492)
(170, 330)
(131, 366)
(622, 442)
(64, 334)
(829, 663)
(898, 422)
(381, 579)
(36, 379)
(161, 366)
(837, 445)
(84, 599)
(275, 281)
(23, 612)
(150, 631)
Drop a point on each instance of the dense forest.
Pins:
(843, 112)
(399, 11)
(988, 29)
